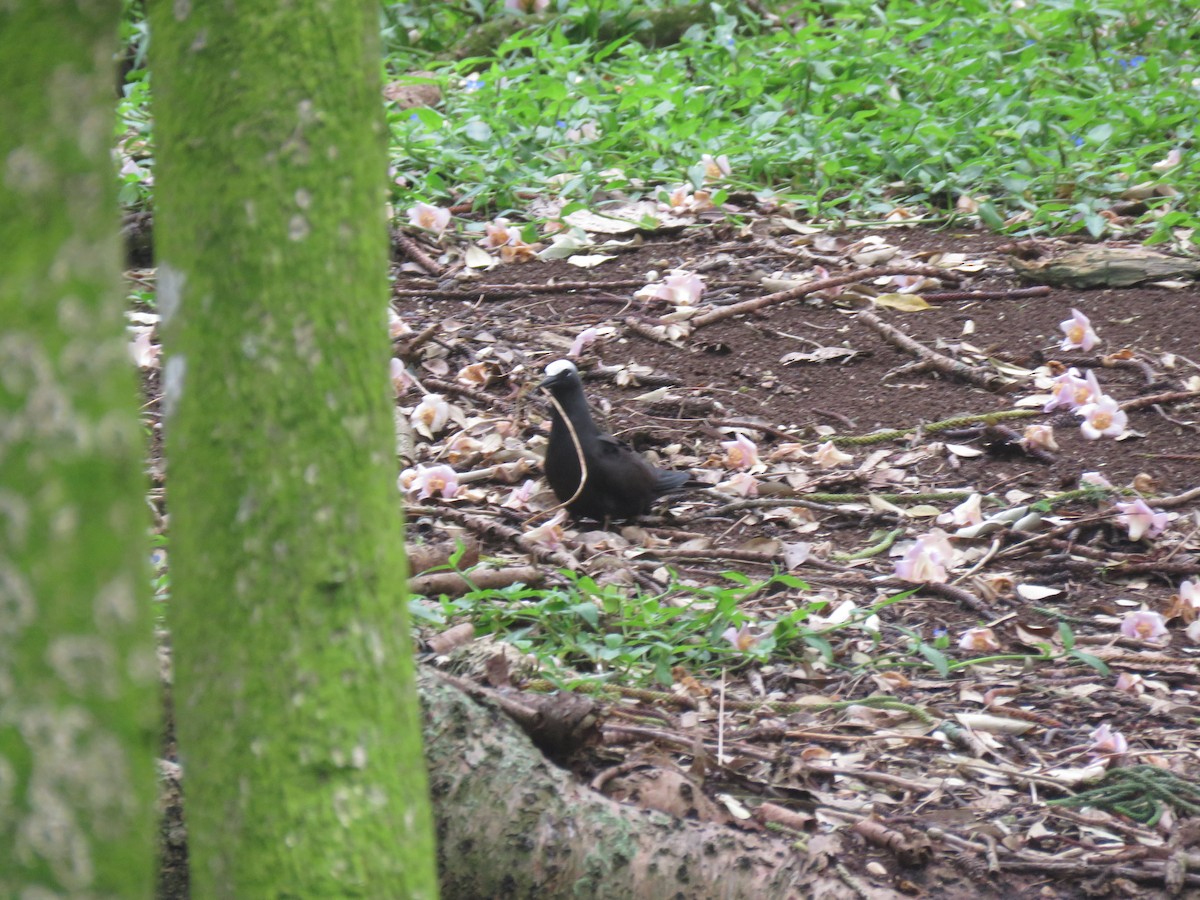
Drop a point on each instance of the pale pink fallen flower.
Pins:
(686, 287)
(519, 497)
(820, 273)
(479, 374)
(1040, 437)
(715, 166)
(1108, 742)
(1143, 625)
(679, 199)
(740, 453)
(144, 351)
(940, 541)
(430, 416)
(1141, 520)
(526, 6)
(584, 131)
(1173, 158)
(1067, 390)
(680, 287)
(462, 448)
(926, 560)
(1193, 632)
(550, 534)
(432, 218)
(743, 484)
(1189, 594)
(745, 638)
(401, 380)
(499, 232)
(1079, 333)
(983, 639)
(582, 341)
(517, 250)
(908, 284)
(1094, 479)
(789, 451)
(1130, 683)
(1102, 418)
(130, 167)
(701, 200)
(828, 456)
(969, 512)
(683, 200)
(742, 638)
(424, 482)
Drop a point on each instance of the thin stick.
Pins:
(984, 378)
(1168, 397)
(812, 287)
(414, 252)
(998, 294)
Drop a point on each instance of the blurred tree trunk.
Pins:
(78, 710)
(295, 703)
(513, 825)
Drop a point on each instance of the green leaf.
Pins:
(428, 117)
(1094, 661)
(1066, 635)
(936, 658)
(479, 131)
(821, 645)
(990, 217)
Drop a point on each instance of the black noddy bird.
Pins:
(620, 484)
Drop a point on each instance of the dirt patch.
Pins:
(974, 792)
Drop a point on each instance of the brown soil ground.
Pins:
(960, 818)
(955, 807)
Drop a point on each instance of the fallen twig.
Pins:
(504, 291)
(895, 434)
(455, 584)
(422, 557)
(1155, 399)
(414, 252)
(813, 287)
(984, 378)
(996, 294)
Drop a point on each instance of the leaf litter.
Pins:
(1020, 714)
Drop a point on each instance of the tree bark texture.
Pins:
(511, 825)
(78, 711)
(294, 695)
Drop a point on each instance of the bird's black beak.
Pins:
(551, 381)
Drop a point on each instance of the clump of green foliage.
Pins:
(1041, 115)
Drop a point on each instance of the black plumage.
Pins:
(620, 483)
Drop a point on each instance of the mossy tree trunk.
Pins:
(78, 708)
(295, 704)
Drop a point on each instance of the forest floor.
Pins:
(879, 744)
(887, 740)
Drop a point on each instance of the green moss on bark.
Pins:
(77, 667)
(295, 705)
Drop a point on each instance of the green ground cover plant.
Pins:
(1034, 116)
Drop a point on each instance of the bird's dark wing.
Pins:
(665, 481)
(607, 445)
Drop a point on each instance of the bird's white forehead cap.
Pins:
(560, 366)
